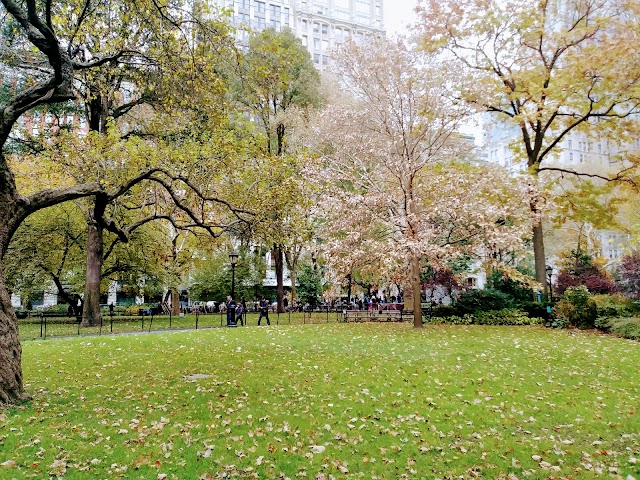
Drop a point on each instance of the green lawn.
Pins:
(315, 401)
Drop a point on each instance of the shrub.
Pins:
(508, 316)
(577, 308)
(629, 272)
(443, 311)
(624, 327)
(473, 301)
(535, 309)
(498, 280)
(615, 305)
(61, 308)
(467, 319)
(563, 314)
(578, 269)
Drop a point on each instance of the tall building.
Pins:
(576, 152)
(320, 24)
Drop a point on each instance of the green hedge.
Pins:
(615, 305)
(623, 327)
(506, 316)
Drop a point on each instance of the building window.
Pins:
(260, 7)
(275, 11)
(316, 58)
(363, 6)
(242, 18)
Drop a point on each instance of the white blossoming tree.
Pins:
(400, 194)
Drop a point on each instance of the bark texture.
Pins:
(175, 301)
(539, 256)
(278, 257)
(95, 245)
(11, 386)
(417, 292)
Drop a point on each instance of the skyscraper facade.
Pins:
(320, 24)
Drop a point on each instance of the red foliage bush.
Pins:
(579, 269)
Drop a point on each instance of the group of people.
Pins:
(236, 311)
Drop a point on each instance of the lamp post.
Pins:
(549, 271)
(233, 258)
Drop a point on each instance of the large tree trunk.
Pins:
(539, 256)
(417, 292)
(175, 301)
(294, 290)
(11, 386)
(278, 258)
(95, 245)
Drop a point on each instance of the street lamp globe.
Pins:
(233, 258)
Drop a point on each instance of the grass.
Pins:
(348, 401)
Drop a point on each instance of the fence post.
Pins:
(79, 320)
(143, 320)
(111, 323)
(41, 324)
(327, 313)
(45, 326)
(100, 331)
(197, 318)
(169, 319)
(151, 322)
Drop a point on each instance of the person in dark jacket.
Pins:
(231, 312)
(264, 311)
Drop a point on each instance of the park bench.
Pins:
(377, 315)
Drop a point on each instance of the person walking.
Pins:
(264, 311)
(231, 312)
(239, 314)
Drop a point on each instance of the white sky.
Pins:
(398, 14)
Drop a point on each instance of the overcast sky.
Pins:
(398, 14)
